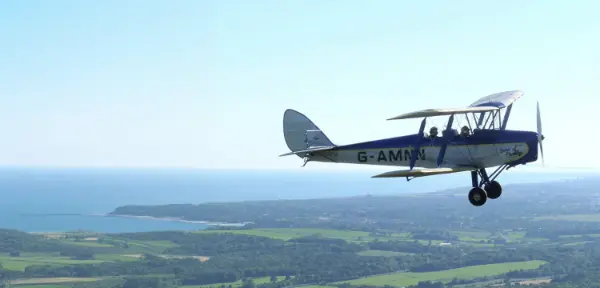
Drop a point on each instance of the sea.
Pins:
(62, 200)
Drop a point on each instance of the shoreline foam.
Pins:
(172, 219)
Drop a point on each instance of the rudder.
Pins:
(300, 133)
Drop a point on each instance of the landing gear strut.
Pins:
(491, 188)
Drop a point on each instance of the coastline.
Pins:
(173, 219)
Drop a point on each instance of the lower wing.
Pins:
(422, 172)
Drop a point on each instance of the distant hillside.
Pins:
(381, 212)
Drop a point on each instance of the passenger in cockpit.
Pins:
(433, 132)
(465, 131)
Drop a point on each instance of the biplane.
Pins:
(484, 142)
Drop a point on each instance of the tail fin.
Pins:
(302, 134)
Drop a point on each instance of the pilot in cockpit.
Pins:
(433, 132)
(465, 131)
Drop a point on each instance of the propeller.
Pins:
(540, 136)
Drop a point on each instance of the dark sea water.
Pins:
(29, 196)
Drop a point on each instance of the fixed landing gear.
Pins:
(477, 196)
(491, 188)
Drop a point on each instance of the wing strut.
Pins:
(480, 119)
(413, 153)
(446, 138)
(506, 115)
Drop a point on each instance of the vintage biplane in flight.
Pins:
(483, 143)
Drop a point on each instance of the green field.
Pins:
(577, 243)
(575, 237)
(27, 259)
(474, 238)
(88, 243)
(381, 253)
(471, 236)
(114, 257)
(261, 280)
(471, 272)
(41, 286)
(289, 233)
(135, 248)
(155, 244)
(49, 282)
(96, 241)
(515, 235)
(572, 217)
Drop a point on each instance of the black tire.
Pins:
(477, 196)
(493, 190)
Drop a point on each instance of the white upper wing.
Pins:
(488, 103)
(439, 112)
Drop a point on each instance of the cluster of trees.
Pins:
(13, 241)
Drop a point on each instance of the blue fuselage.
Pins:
(483, 148)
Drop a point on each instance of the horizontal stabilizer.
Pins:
(421, 172)
(441, 112)
(309, 150)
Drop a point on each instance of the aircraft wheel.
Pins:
(493, 190)
(477, 196)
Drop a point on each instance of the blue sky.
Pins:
(205, 83)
